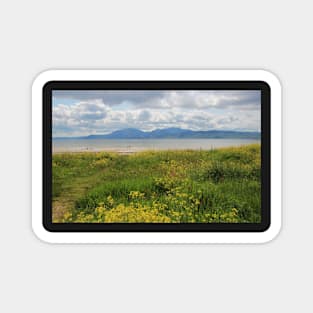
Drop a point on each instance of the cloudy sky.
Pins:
(85, 112)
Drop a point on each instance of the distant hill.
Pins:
(175, 133)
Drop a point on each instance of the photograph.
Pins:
(156, 156)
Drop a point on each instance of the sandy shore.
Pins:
(119, 151)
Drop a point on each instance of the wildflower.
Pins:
(110, 200)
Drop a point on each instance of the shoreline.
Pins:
(138, 150)
(100, 150)
(127, 147)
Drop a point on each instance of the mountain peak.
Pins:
(175, 133)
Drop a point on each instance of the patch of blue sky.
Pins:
(65, 101)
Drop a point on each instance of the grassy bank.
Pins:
(163, 186)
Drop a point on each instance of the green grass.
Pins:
(220, 185)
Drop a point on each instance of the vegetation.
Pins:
(216, 186)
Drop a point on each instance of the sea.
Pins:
(135, 145)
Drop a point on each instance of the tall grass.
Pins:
(187, 186)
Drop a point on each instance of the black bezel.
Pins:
(156, 85)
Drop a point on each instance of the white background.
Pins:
(38, 35)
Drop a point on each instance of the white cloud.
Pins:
(194, 110)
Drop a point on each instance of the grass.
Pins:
(184, 186)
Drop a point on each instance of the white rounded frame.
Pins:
(157, 237)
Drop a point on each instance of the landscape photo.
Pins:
(156, 156)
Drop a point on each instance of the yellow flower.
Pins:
(110, 200)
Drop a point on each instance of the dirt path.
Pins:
(78, 187)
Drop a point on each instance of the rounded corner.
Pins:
(41, 233)
(270, 78)
(43, 78)
(271, 233)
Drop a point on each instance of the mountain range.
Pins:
(175, 133)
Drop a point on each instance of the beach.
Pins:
(129, 146)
